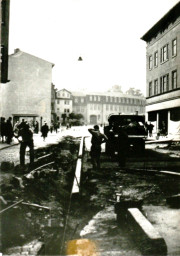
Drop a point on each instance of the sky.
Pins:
(105, 33)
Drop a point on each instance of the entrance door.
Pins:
(163, 121)
(93, 119)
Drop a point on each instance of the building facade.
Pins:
(96, 107)
(28, 94)
(163, 73)
(63, 106)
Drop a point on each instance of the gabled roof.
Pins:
(64, 90)
(163, 23)
(17, 53)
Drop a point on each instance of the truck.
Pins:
(133, 126)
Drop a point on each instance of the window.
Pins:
(111, 107)
(155, 87)
(107, 107)
(82, 100)
(150, 89)
(95, 107)
(94, 98)
(90, 98)
(155, 59)
(111, 99)
(57, 101)
(164, 53)
(67, 110)
(99, 107)
(63, 94)
(107, 98)
(99, 98)
(174, 79)
(174, 47)
(76, 100)
(66, 102)
(150, 62)
(91, 106)
(164, 83)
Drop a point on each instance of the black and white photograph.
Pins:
(90, 128)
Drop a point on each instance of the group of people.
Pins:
(6, 130)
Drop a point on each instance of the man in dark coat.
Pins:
(44, 131)
(3, 129)
(9, 131)
(96, 141)
(26, 135)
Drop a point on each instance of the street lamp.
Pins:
(80, 58)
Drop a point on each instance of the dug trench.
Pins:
(36, 225)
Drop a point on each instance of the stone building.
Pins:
(63, 106)
(28, 94)
(96, 107)
(163, 73)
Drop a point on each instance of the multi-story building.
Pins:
(96, 107)
(63, 104)
(4, 17)
(163, 72)
(28, 94)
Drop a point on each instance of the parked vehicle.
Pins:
(133, 126)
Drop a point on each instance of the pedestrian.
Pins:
(123, 146)
(22, 124)
(26, 135)
(150, 129)
(9, 131)
(97, 139)
(36, 127)
(3, 129)
(51, 127)
(44, 131)
(55, 127)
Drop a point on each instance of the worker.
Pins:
(26, 135)
(97, 139)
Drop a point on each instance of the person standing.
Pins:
(150, 128)
(9, 131)
(26, 135)
(3, 129)
(44, 131)
(36, 127)
(97, 139)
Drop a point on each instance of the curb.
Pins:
(144, 233)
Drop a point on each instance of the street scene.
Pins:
(89, 153)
